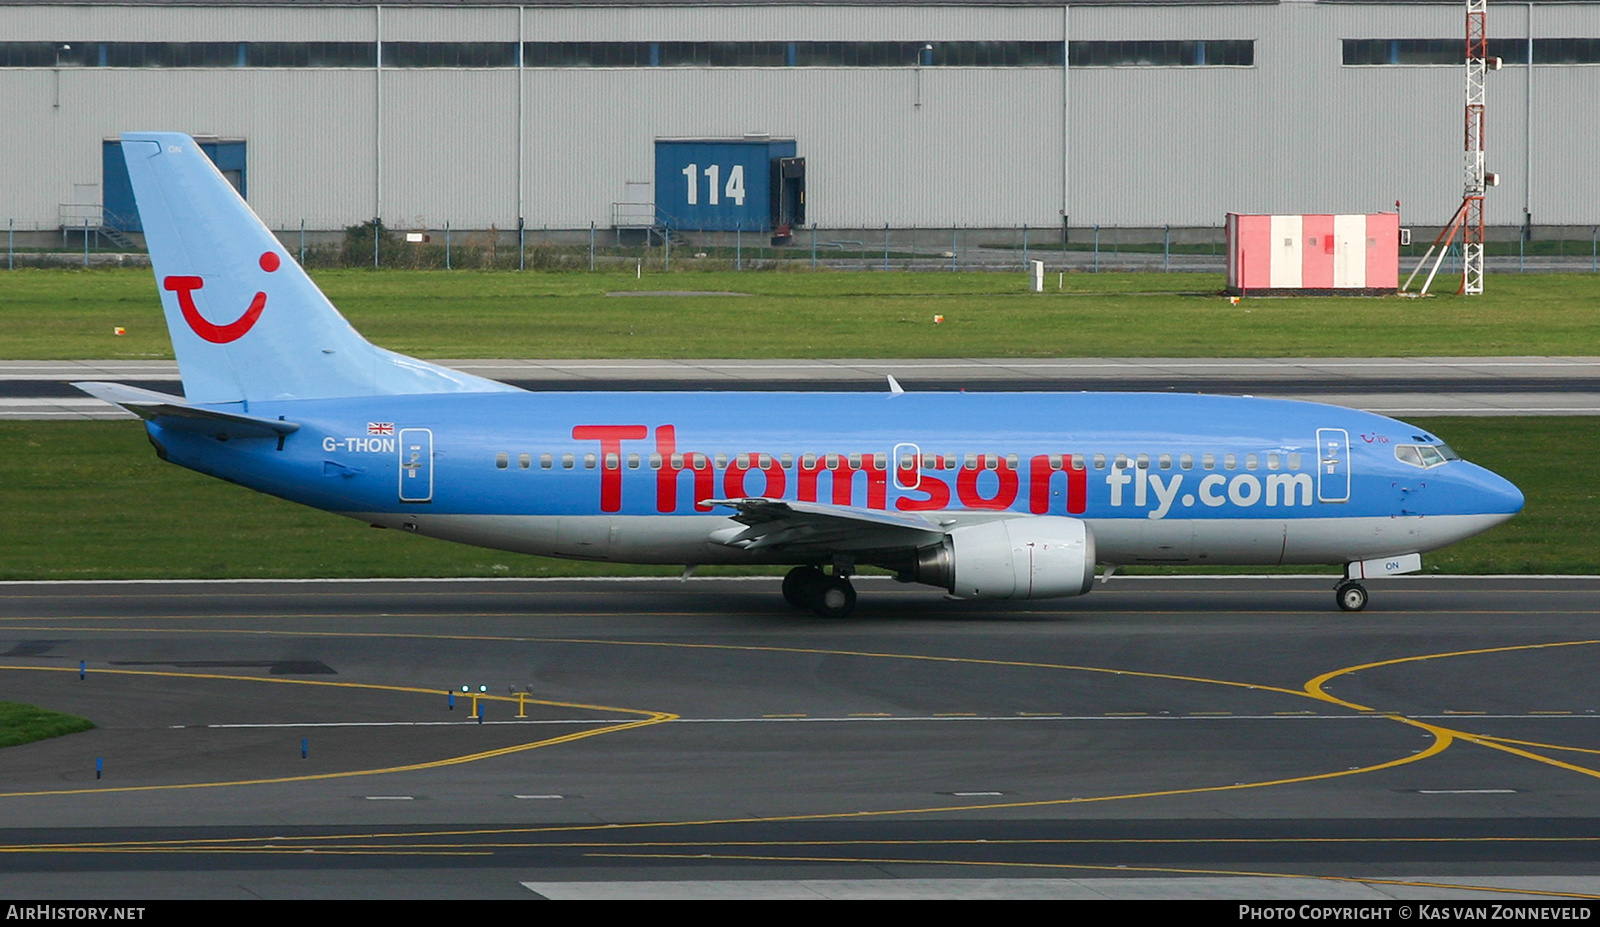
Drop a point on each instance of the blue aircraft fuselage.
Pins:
(1159, 477)
(987, 495)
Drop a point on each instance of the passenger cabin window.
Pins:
(546, 461)
(524, 461)
(502, 460)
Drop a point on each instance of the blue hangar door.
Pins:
(727, 185)
(117, 191)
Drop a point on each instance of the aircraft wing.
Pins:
(170, 411)
(800, 527)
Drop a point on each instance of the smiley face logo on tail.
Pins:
(219, 334)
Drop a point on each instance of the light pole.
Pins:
(60, 50)
(925, 51)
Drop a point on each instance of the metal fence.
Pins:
(1090, 249)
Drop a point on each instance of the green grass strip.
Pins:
(89, 500)
(72, 314)
(24, 724)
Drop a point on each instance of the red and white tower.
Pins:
(1473, 174)
(1469, 216)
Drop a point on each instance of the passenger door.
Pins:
(1333, 465)
(416, 465)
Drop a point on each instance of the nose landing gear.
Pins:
(1351, 595)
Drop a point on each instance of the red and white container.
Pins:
(1352, 255)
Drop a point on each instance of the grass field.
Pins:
(89, 500)
(71, 314)
(21, 724)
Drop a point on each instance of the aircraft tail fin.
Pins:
(246, 322)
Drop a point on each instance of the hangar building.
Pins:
(916, 115)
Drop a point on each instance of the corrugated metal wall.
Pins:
(1297, 132)
(310, 135)
(972, 153)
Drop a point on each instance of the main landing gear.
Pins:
(1351, 595)
(828, 596)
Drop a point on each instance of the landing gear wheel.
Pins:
(833, 597)
(1352, 596)
(800, 584)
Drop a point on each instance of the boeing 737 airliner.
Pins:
(1013, 495)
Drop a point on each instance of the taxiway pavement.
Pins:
(1161, 737)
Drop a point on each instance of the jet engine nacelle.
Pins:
(1013, 558)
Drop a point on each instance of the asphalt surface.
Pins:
(1198, 738)
(1391, 386)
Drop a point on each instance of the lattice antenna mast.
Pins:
(1473, 173)
(1469, 216)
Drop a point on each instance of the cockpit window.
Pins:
(1424, 455)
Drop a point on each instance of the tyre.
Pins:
(1352, 597)
(834, 598)
(799, 585)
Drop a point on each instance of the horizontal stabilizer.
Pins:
(170, 411)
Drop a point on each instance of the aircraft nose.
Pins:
(1500, 495)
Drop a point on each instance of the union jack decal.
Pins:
(380, 428)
